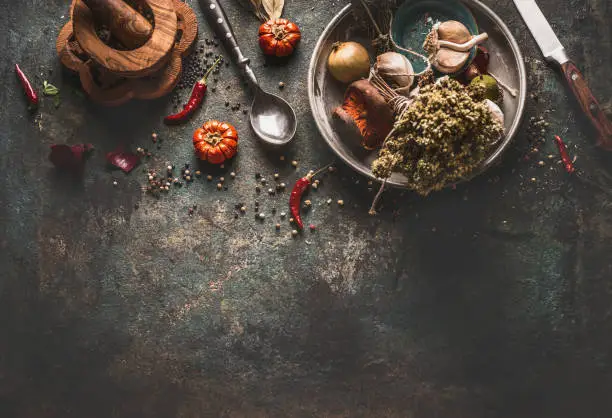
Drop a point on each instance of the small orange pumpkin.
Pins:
(279, 37)
(215, 142)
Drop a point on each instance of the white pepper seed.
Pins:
(283, 215)
(278, 227)
(329, 201)
(243, 209)
(150, 177)
(315, 186)
(209, 177)
(169, 168)
(340, 202)
(233, 175)
(219, 186)
(271, 191)
(283, 185)
(307, 203)
(114, 183)
(222, 179)
(198, 173)
(294, 233)
(294, 163)
(262, 216)
(276, 176)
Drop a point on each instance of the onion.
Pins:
(348, 62)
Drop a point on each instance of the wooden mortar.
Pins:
(125, 23)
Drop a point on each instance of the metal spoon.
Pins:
(272, 118)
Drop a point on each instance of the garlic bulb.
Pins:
(396, 70)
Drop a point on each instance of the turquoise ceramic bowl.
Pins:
(415, 18)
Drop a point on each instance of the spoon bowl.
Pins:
(272, 118)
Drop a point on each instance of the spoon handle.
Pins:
(218, 20)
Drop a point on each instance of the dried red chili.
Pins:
(565, 158)
(295, 200)
(27, 86)
(195, 100)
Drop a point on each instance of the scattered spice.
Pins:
(27, 86)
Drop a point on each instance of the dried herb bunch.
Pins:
(377, 16)
(440, 139)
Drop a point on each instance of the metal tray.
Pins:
(325, 94)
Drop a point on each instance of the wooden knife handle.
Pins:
(588, 102)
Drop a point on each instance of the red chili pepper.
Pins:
(567, 161)
(27, 86)
(195, 100)
(295, 200)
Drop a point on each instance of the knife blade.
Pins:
(541, 30)
(554, 51)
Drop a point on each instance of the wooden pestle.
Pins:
(125, 23)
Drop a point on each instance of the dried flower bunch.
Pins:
(380, 14)
(444, 135)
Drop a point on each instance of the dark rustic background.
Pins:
(491, 300)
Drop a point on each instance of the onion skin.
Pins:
(348, 62)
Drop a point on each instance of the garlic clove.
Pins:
(496, 111)
(448, 61)
(453, 31)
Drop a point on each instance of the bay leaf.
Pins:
(274, 8)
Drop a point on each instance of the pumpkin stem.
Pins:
(213, 138)
(279, 32)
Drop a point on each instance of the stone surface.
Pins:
(491, 300)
